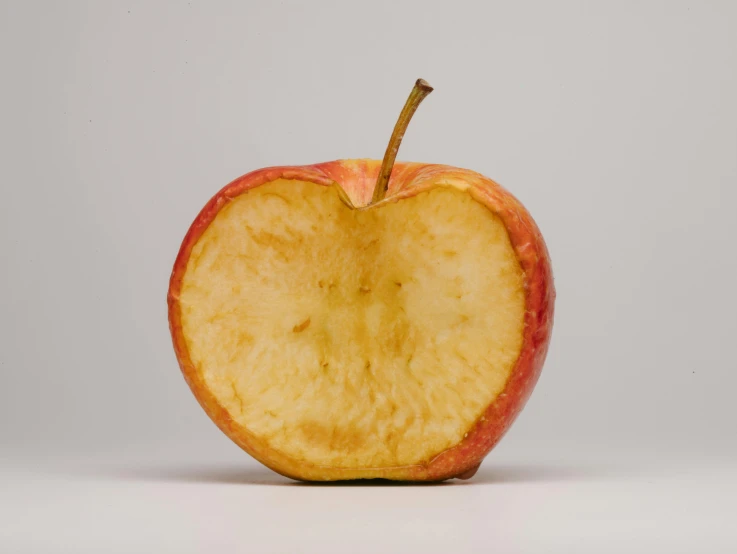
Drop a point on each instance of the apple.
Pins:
(363, 319)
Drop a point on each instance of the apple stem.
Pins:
(418, 94)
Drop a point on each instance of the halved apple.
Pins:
(337, 324)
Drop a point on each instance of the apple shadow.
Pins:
(262, 476)
(224, 475)
(527, 473)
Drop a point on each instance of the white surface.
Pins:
(544, 509)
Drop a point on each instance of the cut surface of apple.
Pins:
(362, 319)
(354, 338)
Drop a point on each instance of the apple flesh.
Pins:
(333, 338)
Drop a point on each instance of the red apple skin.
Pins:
(357, 178)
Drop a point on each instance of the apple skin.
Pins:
(357, 178)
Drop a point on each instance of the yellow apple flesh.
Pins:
(332, 338)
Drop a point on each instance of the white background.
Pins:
(615, 123)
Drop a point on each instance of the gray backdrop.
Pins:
(614, 123)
